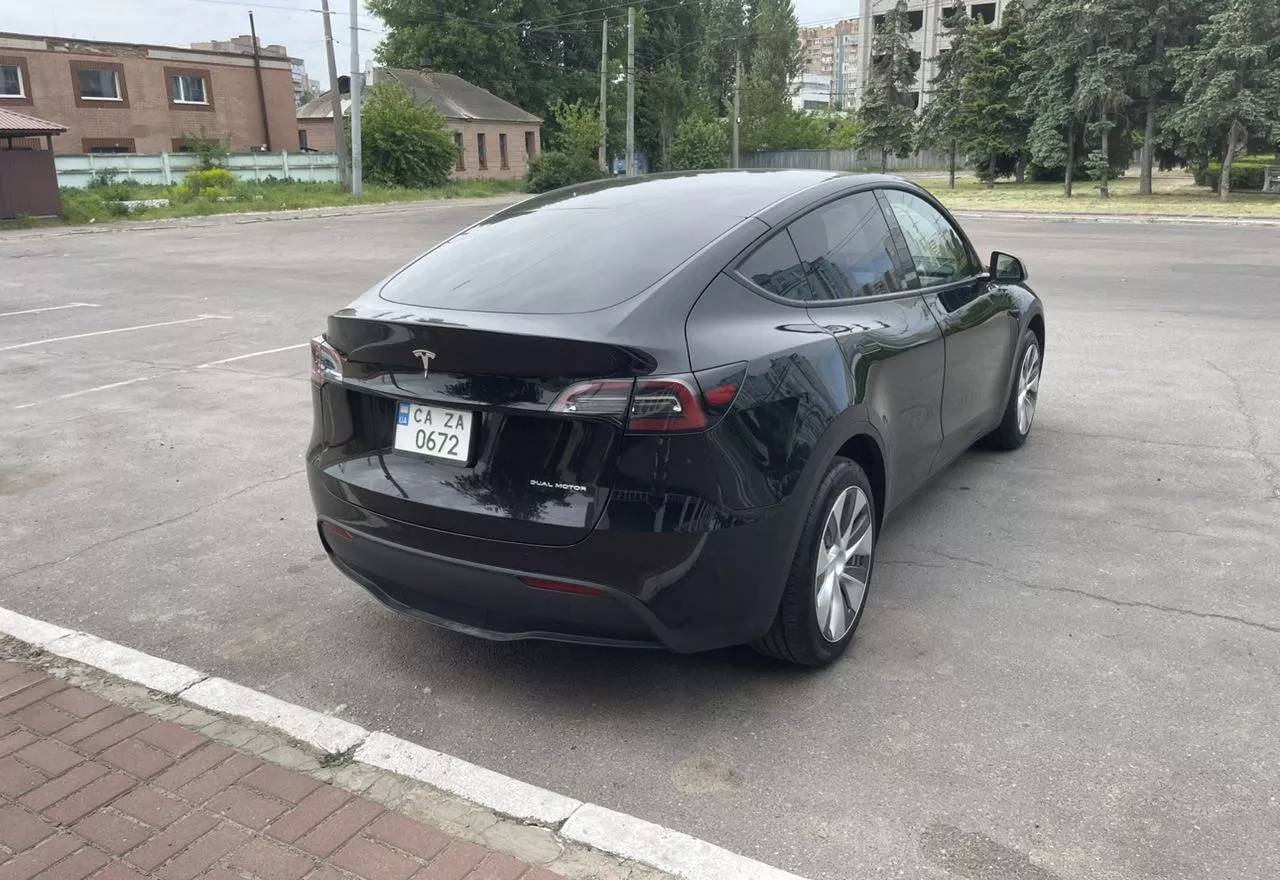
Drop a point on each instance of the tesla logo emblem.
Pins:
(426, 357)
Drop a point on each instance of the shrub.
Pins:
(401, 142)
(1246, 174)
(553, 169)
(108, 186)
(200, 182)
(577, 129)
(699, 143)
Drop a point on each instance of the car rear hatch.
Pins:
(451, 427)
(528, 335)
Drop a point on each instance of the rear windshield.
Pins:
(555, 261)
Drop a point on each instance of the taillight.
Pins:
(666, 404)
(662, 405)
(326, 365)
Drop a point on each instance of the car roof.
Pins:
(738, 193)
(631, 231)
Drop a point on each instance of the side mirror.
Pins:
(1007, 269)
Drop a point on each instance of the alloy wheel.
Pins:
(1028, 387)
(844, 563)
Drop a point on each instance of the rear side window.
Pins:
(775, 266)
(847, 249)
(938, 251)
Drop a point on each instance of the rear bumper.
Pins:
(683, 591)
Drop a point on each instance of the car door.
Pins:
(979, 319)
(891, 346)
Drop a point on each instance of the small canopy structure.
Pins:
(20, 125)
(28, 177)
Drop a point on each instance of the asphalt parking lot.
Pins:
(1071, 663)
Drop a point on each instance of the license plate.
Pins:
(434, 431)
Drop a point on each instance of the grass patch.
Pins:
(97, 204)
(1174, 195)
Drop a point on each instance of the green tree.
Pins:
(1055, 53)
(402, 142)
(989, 122)
(1105, 76)
(938, 123)
(577, 128)
(529, 52)
(887, 116)
(1232, 82)
(1165, 25)
(699, 143)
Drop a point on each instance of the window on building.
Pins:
(98, 84)
(984, 11)
(108, 145)
(530, 144)
(502, 151)
(482, 161)
(847, 249)
(302, 139)
(188, 89)
(915, 19)
(461, 164)
(11, 81)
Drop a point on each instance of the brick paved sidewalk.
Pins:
(91, 789)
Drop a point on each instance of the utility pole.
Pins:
(262, 94)
(357, 172)
(335, 101)
(604, 92)
(631, 91)
(737, 103)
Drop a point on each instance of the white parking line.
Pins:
(50, 309)
(116, 330)
(254, 354)
(175, 372)
(84, 391)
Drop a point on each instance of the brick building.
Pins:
(497, 137)
(124, 98)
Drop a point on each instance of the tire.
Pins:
(1014, 429)
(807, 631)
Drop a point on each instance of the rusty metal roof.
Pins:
(21, 125)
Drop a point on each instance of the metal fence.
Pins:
(847, 160)
(168, 168)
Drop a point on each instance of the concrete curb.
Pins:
(566, 819)
(1155, 219)
(241, 218)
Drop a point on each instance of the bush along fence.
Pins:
(847, 160)
(166, 169)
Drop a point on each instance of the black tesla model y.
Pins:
(672, 410)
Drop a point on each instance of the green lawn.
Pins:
(94, 205)
(1174, 195)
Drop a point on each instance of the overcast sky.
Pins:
(288, 22)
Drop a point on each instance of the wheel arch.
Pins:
(865, 450)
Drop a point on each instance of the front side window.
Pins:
(776, 267)
(457, 145)
(938, 251)
(847, 249)
(481, 159)
(99, 85)
(188, 89)
(11, 81)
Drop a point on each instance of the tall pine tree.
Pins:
(887, 116)
(938, 123)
